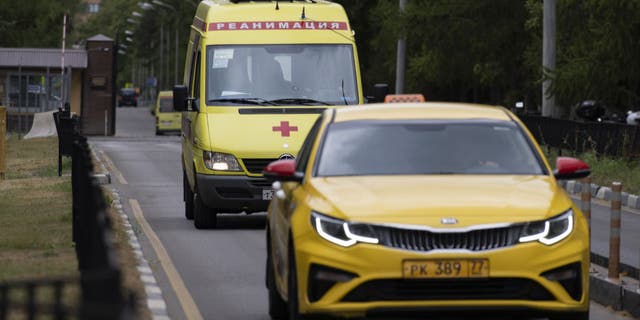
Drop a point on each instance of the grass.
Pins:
(35, 219)
(605, 170)
(35, 213)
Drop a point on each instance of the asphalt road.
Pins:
(222, 270)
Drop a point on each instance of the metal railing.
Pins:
(3, 144)
(613, 139)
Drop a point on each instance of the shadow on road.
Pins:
(241, 221)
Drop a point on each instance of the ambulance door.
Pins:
(189, 118)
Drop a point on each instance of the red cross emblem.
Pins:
(285, 129)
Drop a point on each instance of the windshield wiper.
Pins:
(253, 101)
(303, 101)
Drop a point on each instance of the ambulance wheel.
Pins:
(188, 198)
(203, 217)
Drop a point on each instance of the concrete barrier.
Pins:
(43, 126)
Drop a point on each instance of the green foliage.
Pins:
(142, 52)
(598, 52)
(490, 51)
(35, 23)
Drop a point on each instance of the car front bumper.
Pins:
(515, 284)
(232, 194)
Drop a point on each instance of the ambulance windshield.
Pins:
(289, 74)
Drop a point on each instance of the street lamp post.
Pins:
(175, 57)
(400, 55)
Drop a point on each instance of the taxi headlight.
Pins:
(549, 231)
(341, 232)
(220, 161)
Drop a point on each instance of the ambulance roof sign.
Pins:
(404, 98)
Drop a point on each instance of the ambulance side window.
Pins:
(193, 70)
(305, 150)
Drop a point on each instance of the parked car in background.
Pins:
(167, 118)
(633, 118)
(128, 97)
(403, 209)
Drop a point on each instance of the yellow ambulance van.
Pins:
(257, 75)
(167, 119)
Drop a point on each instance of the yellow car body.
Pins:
(290, 56)
(445, 241)
(167, 118)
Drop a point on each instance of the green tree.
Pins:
(35, 23)
(456, 50)
(598, 53)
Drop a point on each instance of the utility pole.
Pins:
(400, 59)
(548, 56)
(160, 66)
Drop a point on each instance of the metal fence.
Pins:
(100, 285)
(612, 139)
(3, 147)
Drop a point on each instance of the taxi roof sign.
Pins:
(404, 98)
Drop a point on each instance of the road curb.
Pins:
(602, 193)
(155, 301)
(622, 294)
(103, 177)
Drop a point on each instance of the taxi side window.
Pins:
(305, 150)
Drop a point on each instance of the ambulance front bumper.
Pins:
(234, 194)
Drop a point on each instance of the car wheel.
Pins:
(277, 306)
(572, 316)
(292, 287)
(203, 217)
(188, 197)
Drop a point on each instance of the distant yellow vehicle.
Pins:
(257, 75)
(420, 208)
(167, 118)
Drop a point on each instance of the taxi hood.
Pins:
(265, 132)
(426, 200)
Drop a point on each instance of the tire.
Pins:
(293, 309)
(572, 316)
(277, 306)
(203, 217)
(187, 197)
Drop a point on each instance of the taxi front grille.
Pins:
(424, 240)
(256, 165)
(449, 289)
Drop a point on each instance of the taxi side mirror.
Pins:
(282, 170)
(180, 97)
(570, 168)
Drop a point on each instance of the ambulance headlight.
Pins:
(220, 161)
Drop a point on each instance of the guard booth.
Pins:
(98, 95)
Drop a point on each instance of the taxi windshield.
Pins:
(300, 74)
(166, 105)
(414, 147)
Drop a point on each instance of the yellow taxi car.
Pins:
(419, 208)
(167, 118)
